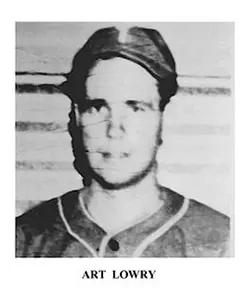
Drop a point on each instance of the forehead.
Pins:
(119, 78)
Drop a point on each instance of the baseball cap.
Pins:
(143, 46)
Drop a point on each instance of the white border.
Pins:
(176, 278)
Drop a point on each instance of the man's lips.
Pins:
(114, 155)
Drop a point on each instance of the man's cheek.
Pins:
(145, 130)
(93, 132)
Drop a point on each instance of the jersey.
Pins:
(180, 228)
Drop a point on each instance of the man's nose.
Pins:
(116, 126)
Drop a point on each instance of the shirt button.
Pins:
(113, 245)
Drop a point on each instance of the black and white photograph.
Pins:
(124, 139)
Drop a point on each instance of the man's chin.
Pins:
(108, 185)
(117, 182)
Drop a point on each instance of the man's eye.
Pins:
(94, 108)
(135, 106)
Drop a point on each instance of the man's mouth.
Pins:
(114, 155)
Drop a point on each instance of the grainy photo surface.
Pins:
(124, 139)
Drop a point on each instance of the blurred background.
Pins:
(196, 158)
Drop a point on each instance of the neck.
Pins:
(114, 209)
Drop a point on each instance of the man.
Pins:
(119, 85)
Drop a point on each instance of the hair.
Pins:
(74, 87)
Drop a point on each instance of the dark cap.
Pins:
(143, 46)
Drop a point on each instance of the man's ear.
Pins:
(160, 141)
(77, 115)
(159, 138)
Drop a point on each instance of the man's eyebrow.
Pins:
(135, 102)
(87, 103)
(95, 99)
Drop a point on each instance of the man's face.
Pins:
(120, 121)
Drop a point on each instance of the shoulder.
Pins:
(201, 217)
(41, 227)
(199, 214)
(206, 230)
(199, 211)
(44, 215)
